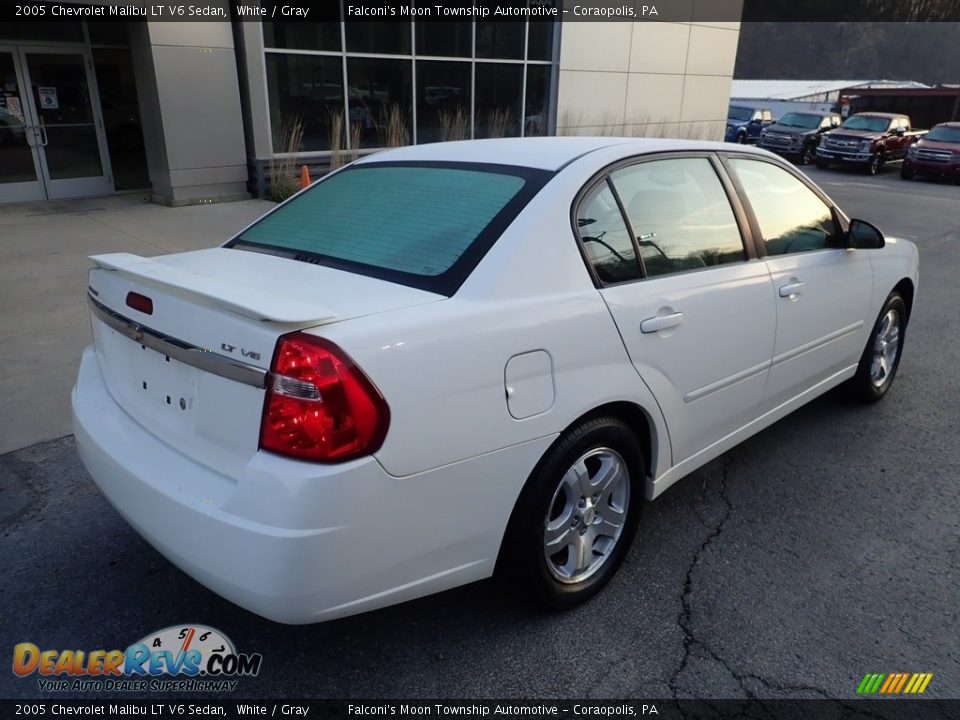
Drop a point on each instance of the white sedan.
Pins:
(453, 360)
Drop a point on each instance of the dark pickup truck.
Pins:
(869, 139)
(937, 153)
(797, 134)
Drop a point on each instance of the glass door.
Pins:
(67, 128)
(20, 180)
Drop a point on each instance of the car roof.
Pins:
(952, 124)
(545, 153)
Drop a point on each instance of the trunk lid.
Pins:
(215, 310)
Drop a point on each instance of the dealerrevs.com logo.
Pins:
(182, 658)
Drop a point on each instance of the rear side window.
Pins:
(425, 225)
(680, 214)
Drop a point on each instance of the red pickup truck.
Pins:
(938, 153)
(869, 139)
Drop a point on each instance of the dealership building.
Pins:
(204, 111)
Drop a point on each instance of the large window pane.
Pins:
(443, 101)
(791, 217)
(380, 101)
(301, 35)
(502, 39)
(307, 89)
(121, 117)
(537, 100)
(16, 158)
(499, 89)
(444, 39)
(383, 38)
(540, 41)
(680, 215)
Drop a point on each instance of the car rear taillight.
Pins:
(319, 405)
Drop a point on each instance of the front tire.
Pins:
(875, 165)
(807, 155)
(741, 138)
(577, 515)
(881, 357)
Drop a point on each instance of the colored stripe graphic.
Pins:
(894, 683)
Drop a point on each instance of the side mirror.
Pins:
(901, 131)
(864, 236)
(756, 121)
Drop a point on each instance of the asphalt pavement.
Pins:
(824, 548)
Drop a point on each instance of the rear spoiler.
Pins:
(240, 299)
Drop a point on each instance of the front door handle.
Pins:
(661, 322)
(791, 289)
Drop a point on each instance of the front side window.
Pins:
(792, 218)
(680, 214)
(409, 223)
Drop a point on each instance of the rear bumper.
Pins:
(298, 542)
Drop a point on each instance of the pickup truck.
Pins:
(744, 123)
(796, 135)
(869, 139)
(938, 153)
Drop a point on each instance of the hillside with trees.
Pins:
(922, 51)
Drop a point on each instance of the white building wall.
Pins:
(645, 78)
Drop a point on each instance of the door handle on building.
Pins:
(661, 322)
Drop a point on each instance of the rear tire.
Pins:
(582, 502)
(881, 357)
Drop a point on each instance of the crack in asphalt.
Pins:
(686, 613)
(685, 618)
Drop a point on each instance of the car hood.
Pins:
(862, 134)
(938, 145)
(734, 121)
(789, 129)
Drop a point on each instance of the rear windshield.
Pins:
(425, 224)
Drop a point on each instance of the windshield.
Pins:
(944, 134)
(873, 124)
(800, 120)
(426, 224)
(740, 113)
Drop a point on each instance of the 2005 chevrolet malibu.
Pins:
(450, 360)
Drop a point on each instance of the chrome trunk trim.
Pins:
(188, 354)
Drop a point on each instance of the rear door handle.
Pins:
(661, 322)
(791, 289)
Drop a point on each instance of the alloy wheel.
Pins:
(885, 346)
(587, 515)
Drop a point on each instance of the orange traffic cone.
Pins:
(304, 176)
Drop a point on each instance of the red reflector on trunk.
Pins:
(140, 302)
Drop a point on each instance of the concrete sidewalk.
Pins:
(44, 324)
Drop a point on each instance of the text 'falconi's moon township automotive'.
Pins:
(450, 361)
